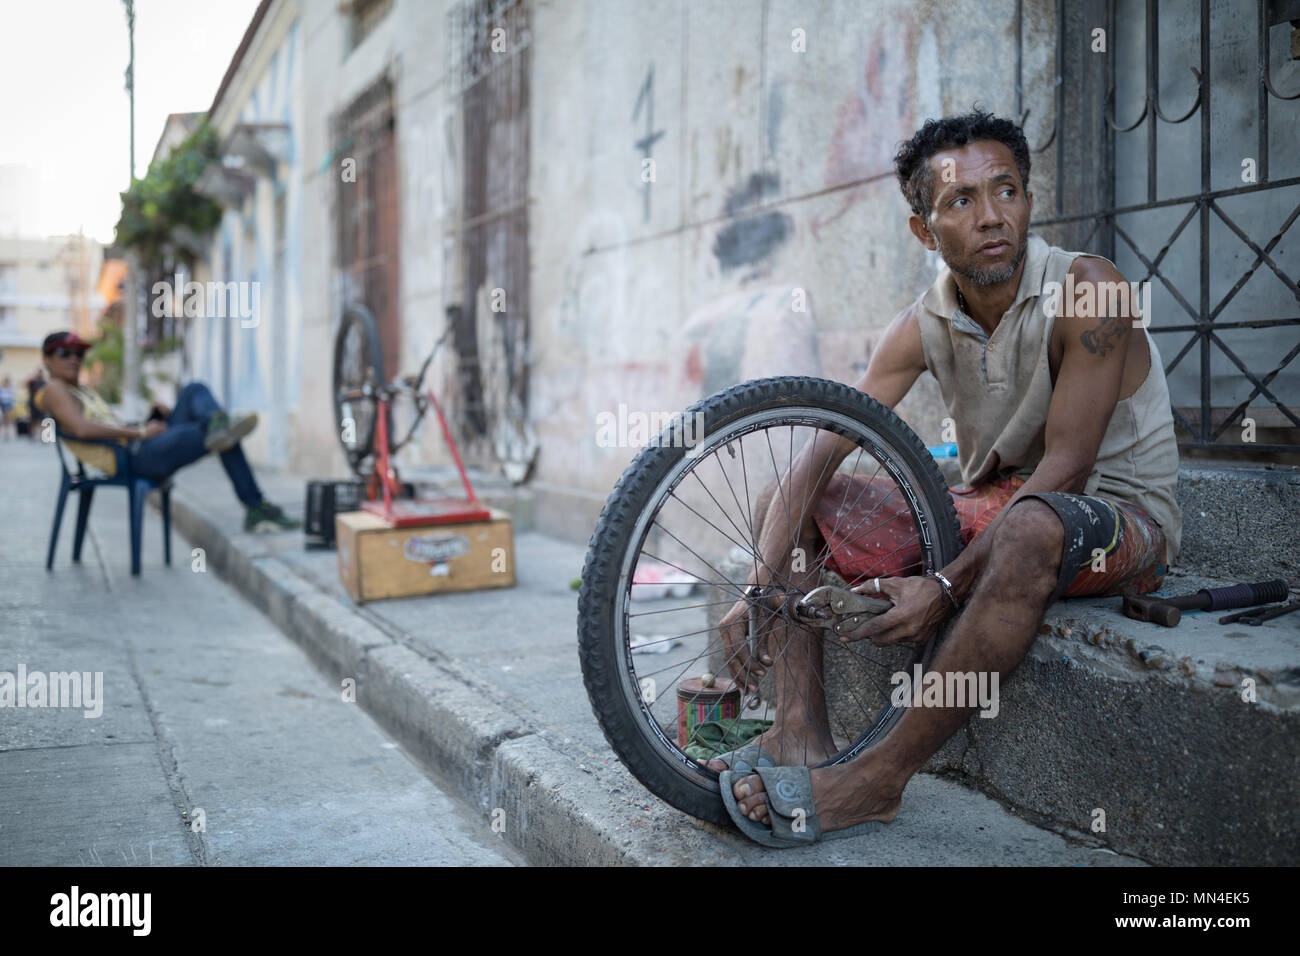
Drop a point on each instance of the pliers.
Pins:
(1258, 615)
(839, 609)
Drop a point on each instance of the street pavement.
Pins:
(219, 741)
(486, 688)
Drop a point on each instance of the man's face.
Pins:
(979, 212)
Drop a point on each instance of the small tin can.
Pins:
(699, 702)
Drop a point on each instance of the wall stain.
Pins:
(751, 238)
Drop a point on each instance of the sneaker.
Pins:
(266, 518)
(224, 432)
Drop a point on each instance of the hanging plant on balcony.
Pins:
(163, 217)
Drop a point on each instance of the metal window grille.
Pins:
(491, 42)
(1180, 216)
(366, 214)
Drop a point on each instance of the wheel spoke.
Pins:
(822, 555)
(684, 607)
(752, 552)
(779, 487)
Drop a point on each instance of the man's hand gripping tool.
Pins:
(839, 609)
(833, 608)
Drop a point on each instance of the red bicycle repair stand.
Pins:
(402, 513)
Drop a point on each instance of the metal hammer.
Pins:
(1167, 611)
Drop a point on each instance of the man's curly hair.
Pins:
(912, 161)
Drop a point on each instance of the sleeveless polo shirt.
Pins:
(99, 458)
(997, 389)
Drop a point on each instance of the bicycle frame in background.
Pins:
(400, 511)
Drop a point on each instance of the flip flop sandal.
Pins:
(750, 755)
(789, 803)
(751, 828)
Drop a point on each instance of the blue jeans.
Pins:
(182, 444)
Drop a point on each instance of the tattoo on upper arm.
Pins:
(1108, 333)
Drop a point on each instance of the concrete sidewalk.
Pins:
(486, 688)
(203, 705)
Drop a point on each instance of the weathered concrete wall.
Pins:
(771, 127)
(409, 46)
(251, 361)
(772, 172)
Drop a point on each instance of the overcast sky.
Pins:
(64, 113)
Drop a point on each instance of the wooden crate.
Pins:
(376, 561)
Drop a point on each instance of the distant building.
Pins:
(45, 285)
(20, 200)
(175, 129)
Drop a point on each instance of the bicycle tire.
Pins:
(358, 360)
(607, 576)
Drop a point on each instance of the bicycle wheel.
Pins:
(676, 547)
(358, 372)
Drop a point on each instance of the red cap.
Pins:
(67, 340)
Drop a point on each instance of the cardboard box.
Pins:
(376, 561)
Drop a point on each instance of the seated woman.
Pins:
(156, 448)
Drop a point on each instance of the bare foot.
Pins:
(802, 747)
(843, 796)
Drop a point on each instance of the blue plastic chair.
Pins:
(137, 490)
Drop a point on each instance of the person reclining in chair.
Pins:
(170, 440)
(1069, 458)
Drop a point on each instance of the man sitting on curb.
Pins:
(1067, 448)
(157, 448)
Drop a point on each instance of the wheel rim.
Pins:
(356, 365)
(856, 718)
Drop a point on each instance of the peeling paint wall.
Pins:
(252, 364)
(770, 127)
(773, 178)
(408, 45)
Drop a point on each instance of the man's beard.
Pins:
(990, 276)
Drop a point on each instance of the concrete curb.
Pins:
(1135, 730)
(488, 753)
(1184, 775)
(1147, 725)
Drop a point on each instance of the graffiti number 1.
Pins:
(646, 97)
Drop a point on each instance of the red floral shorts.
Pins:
(870, 532)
